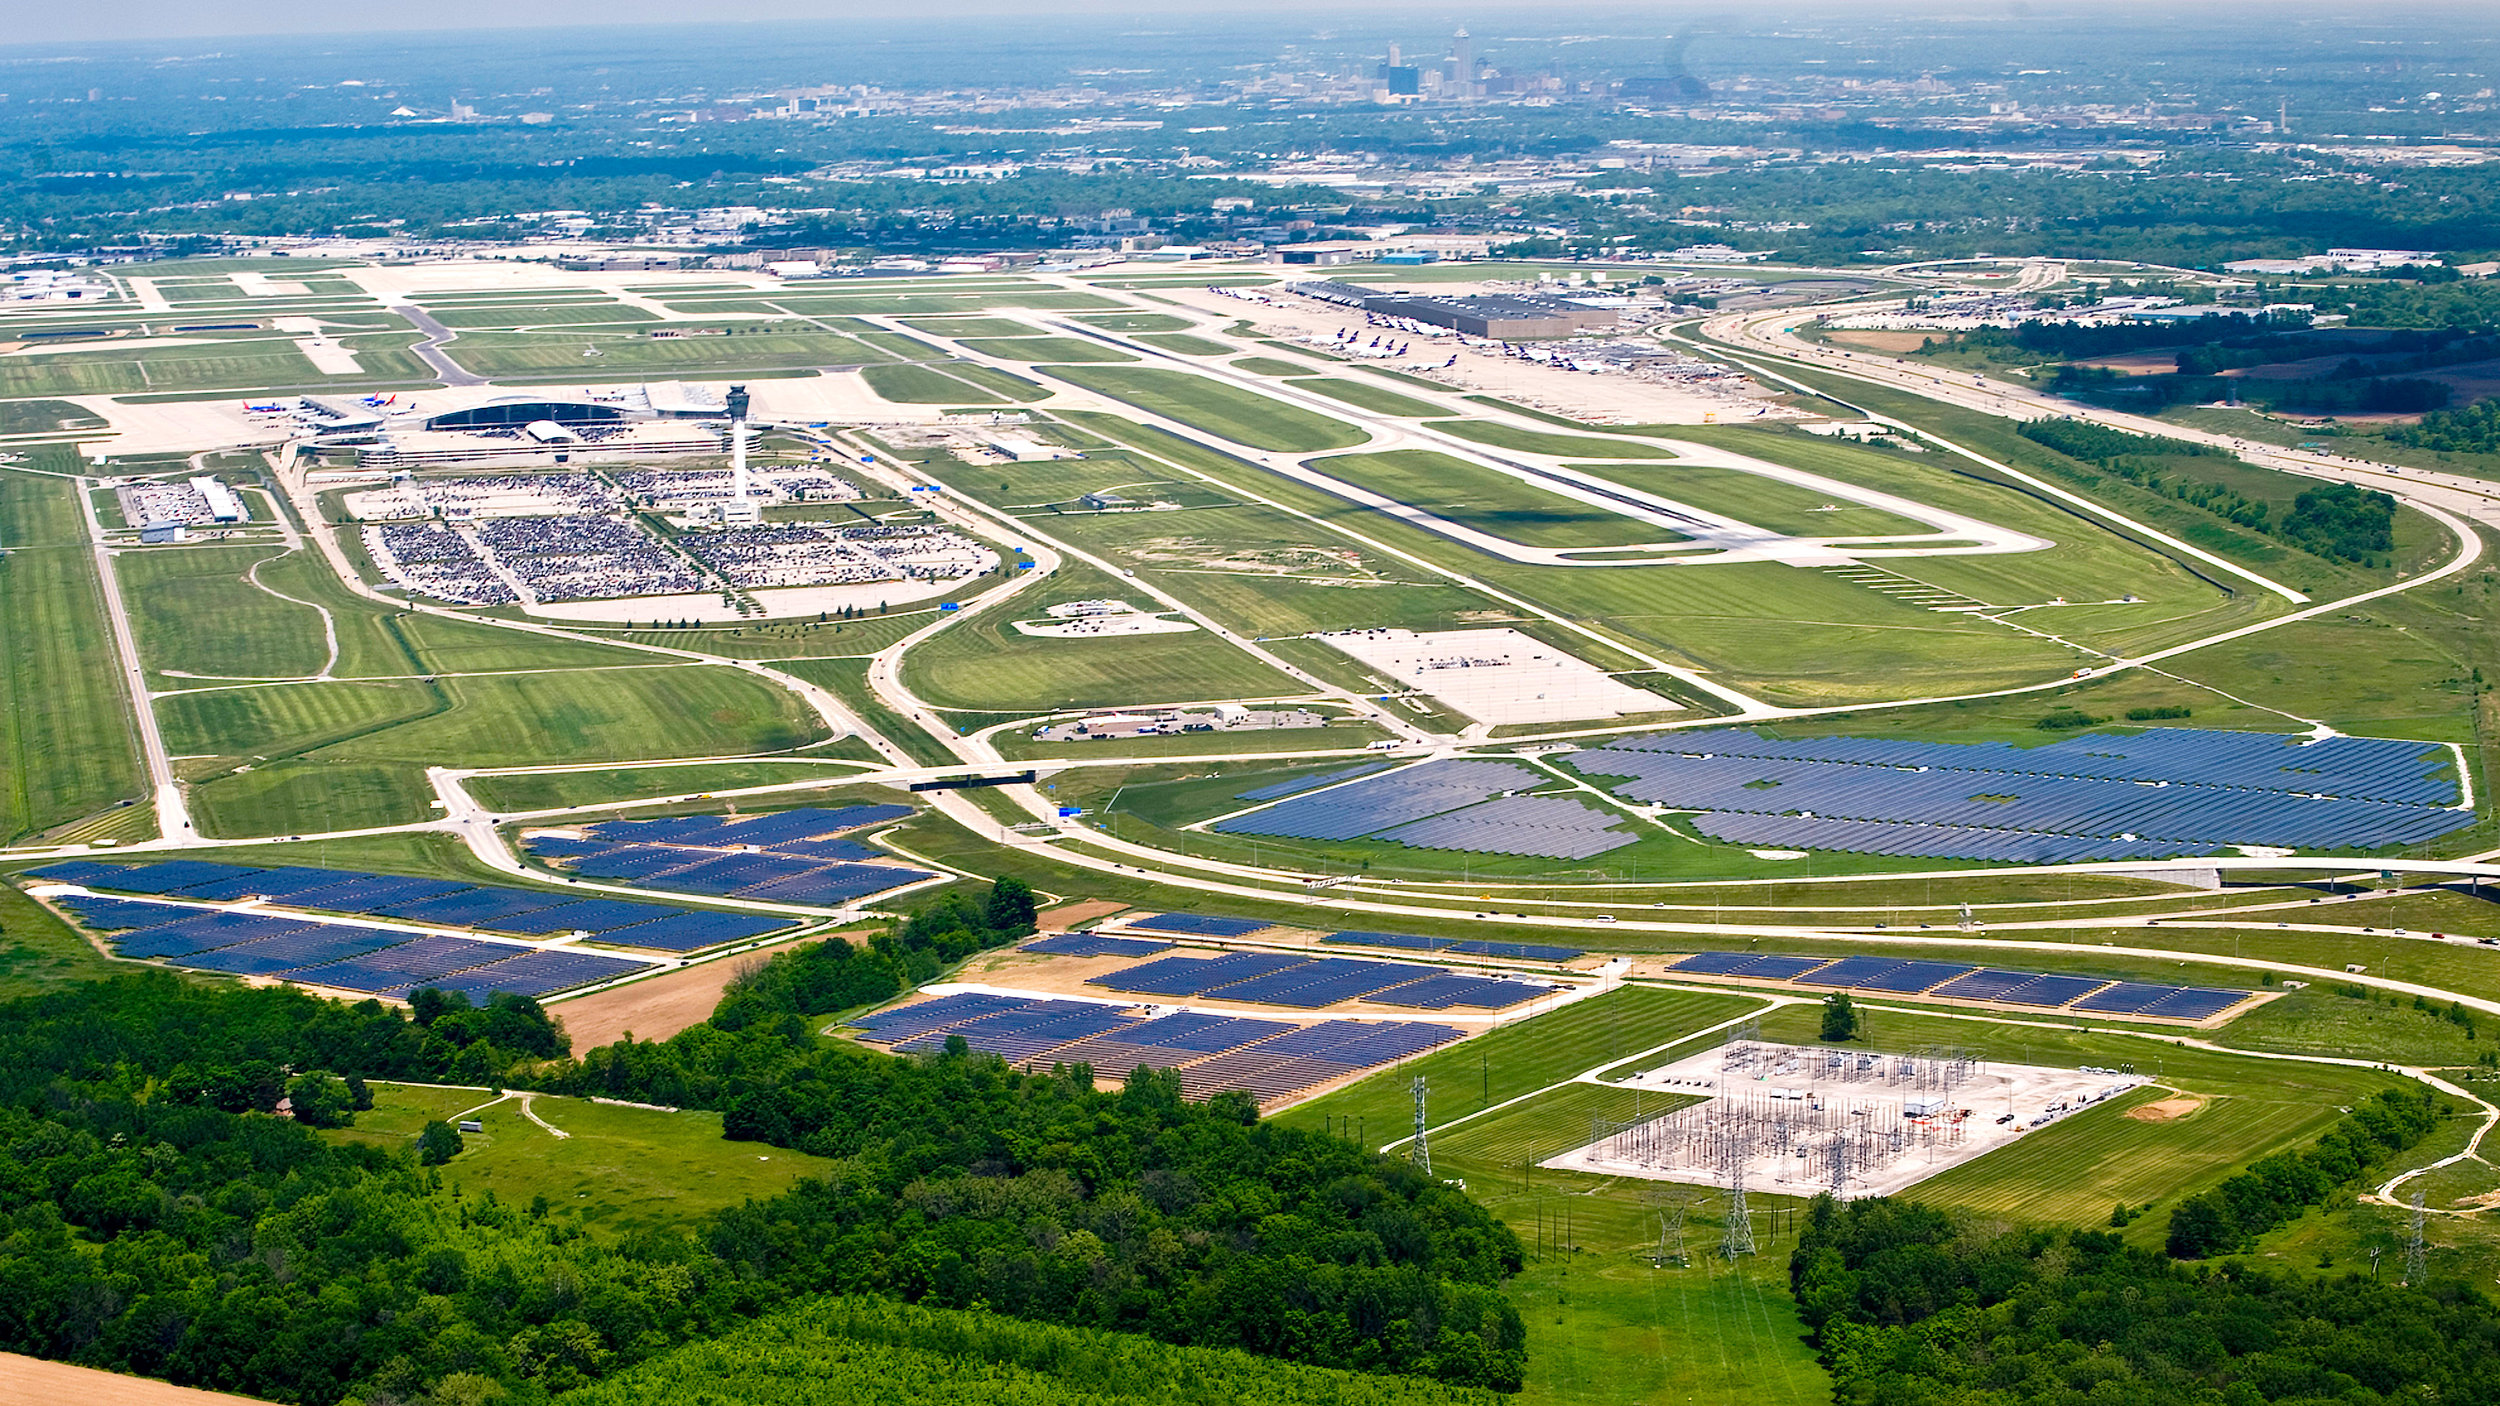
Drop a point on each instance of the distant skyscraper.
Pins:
(1463, 63)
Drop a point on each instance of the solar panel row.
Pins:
(1281, 789)
(1202, 925)
(1266, 1058)
(430, 901)
(1514, 951)
(2358, 768)
(1387, 801)
(1086, 944)
(2162, 793)
(2045, 990)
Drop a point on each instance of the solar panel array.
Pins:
(1279, 790)
(791, 856)
(1448, 804)
(1900, 976)
(1512, 951)
(2161, 793)
(1310, 984)
(1202, 925)
(1212, 1054)
(382, 961)
(1086, 944)
(434, 902)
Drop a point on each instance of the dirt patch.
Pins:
(2168, 1110)
(1892, 343)
(1068, 915)
(654, 1009)
(29, 1381)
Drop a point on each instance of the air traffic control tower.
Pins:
(741, 508)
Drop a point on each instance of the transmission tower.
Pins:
(1739, 1238)
(1840, 1166)
(1421, 1152)
(2416, 1254)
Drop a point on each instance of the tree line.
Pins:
(158, 1221)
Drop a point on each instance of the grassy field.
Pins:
(1491, 501)
(309, 795)
(39, 951)
(1607, 1329)
(1136, 322)
(66, 748)
(1186, 345)
(240, 365)
(923, 385)
(1041, 349)
(986, 663)
(1764, 502)
(972, 327)
(2073, 1171)
(847, 679)
(536, 353)
(195, 612)
(1275, 366)
(44, 417)
(551, 790)
(1561, 446)
(1217, 408)
(1369, 397)
(628, 1170)
(1519, 1059)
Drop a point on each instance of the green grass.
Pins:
(215, 723)
(972, 327)
(44, 417)
(1217, 408)
(1002, 383)
(195, 612)
(627, 1170)
(1186, 345)
(601, 715)
(986, 663)
(1491, 501)
(1560, 446)
(2073, 1171)
(66, 744)
(552, 790)
(1275, 366)
(1042, 349)
(847, 679)
(2320, 1021)
(239, 365)
(1369, 397)
(39, 951)
(1764, 502)
(1606, 1329)
(305, 796)
(1519, 1058)
(923, 385)
(538, 353)
(1136, 322)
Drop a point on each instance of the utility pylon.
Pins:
(2417, 1255)
(1739, 1237)
(1421, 1151)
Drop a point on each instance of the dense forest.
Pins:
(160, 1222)
(1912, 1307)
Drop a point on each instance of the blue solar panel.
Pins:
(827, 849)
(2193, 1003)
(2126, 997)
(1202, 925)
(1909, 978)
(589, 915)
(639, 861)
(900, 1022)
(1852, 971)
(1086, 944)
(1384, 802)
(407, 965)
(1783, 968)
(1517, 951)
(171, 876)
(769, 831)
(306, 946)
(564, 846)
(835, 884)
(114, 914)
(538, 974)
(476, 908)
(1715, 963)
(686, 931)
(1277, 791)
(202, 932)
(2162, 793)
(276, 884)
(75, 871)
(2053, 990)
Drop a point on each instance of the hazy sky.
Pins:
(29, 22)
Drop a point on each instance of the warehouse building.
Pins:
(1505, 317)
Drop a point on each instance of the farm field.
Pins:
(66, 743)
(1217, 408)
